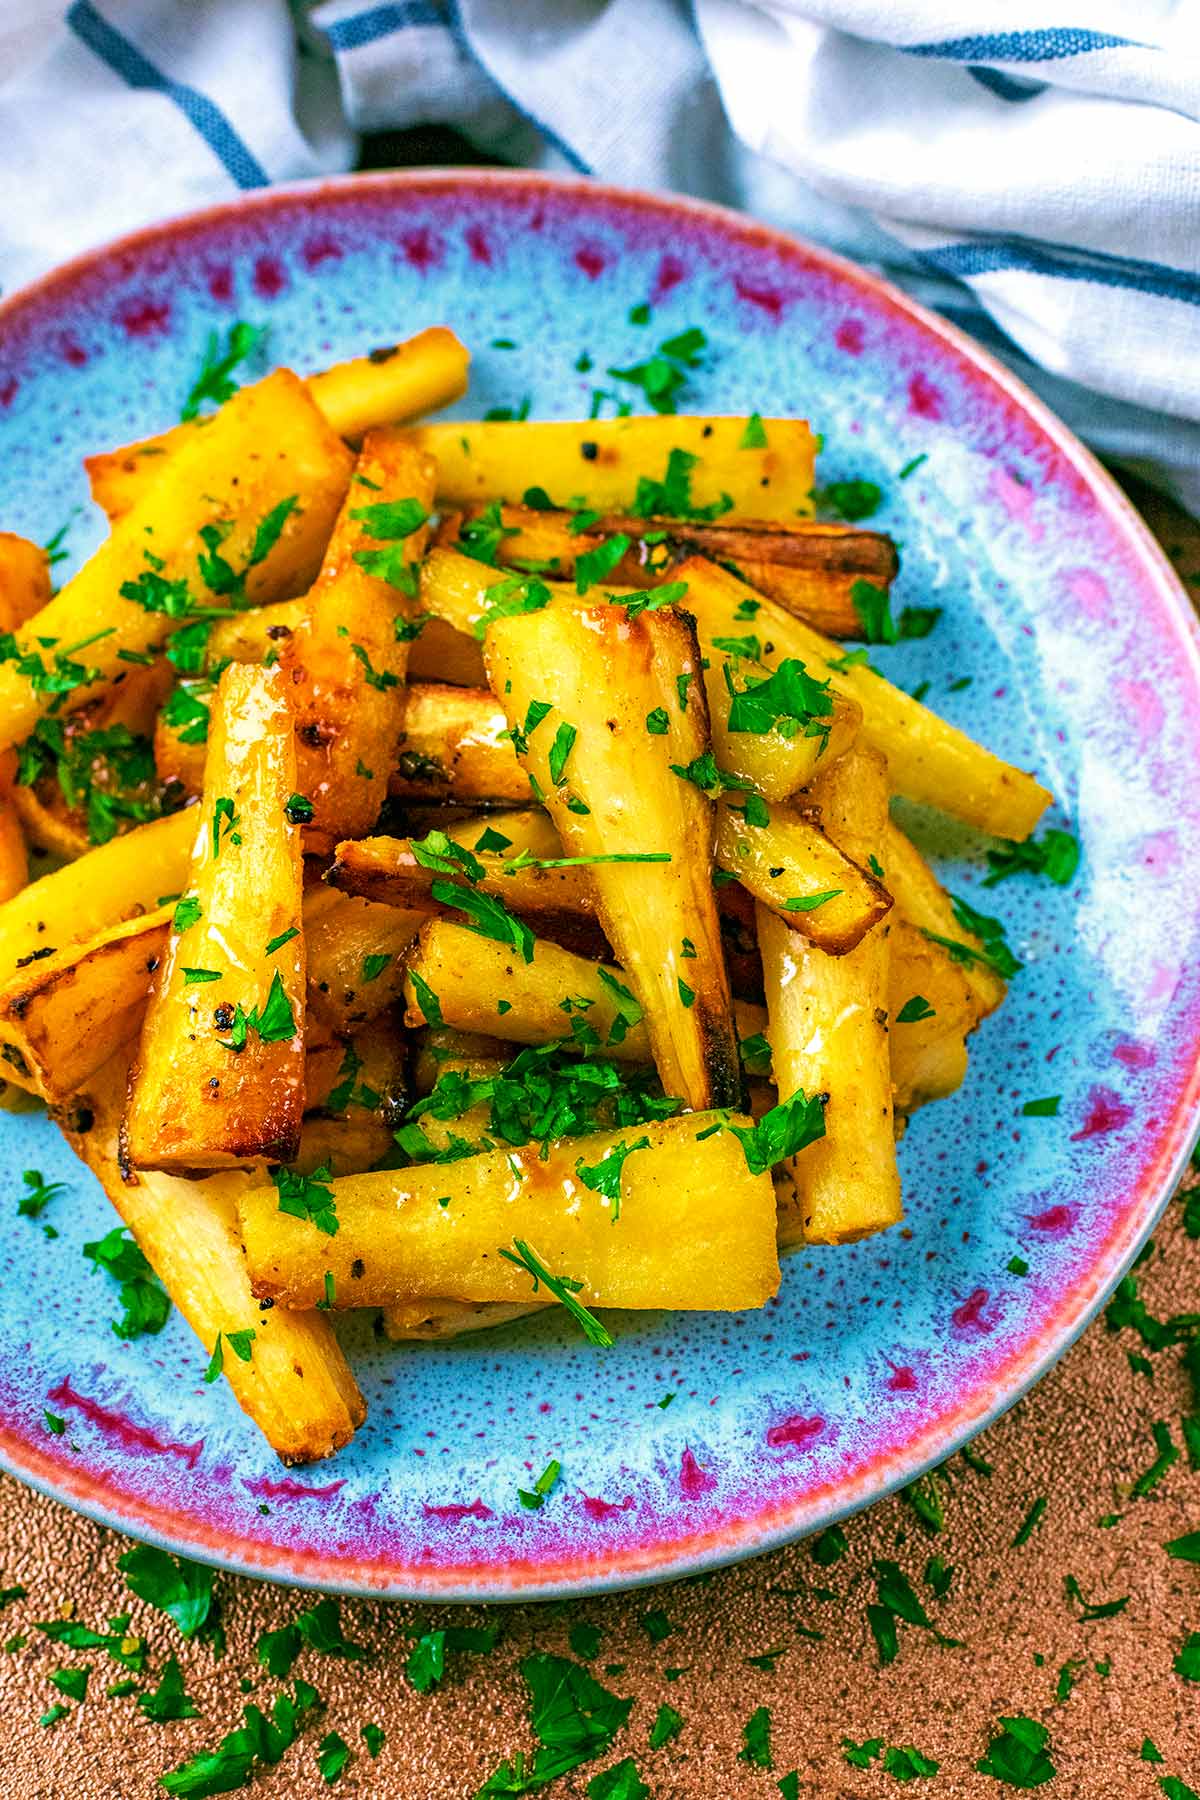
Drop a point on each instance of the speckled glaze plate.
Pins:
(1065, 644)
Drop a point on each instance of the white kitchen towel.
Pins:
(1034, 177)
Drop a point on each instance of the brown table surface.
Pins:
(1079, 1441)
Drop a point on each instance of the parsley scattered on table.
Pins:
(667, 1725)
(1019, 1754)
(1168, 1454)
(574, 1720)
(756, 1739)
(333, 1753)
(177, 1587)
(259, 1740)
(621, 1782)
(1093, 1609)
(374, 1737)
(169, 1699)
(1030, 1522)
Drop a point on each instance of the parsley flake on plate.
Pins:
(144, 1300)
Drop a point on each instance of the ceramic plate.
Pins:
(1065, 644)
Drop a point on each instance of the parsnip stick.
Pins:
(381, 388)
(296, 1384)
(220, 1070)
(829, 1033)
(689, 1188)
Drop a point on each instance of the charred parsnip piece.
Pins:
(295, 1383)
(829, 1032)
(397, 382)
(240, 516)
(771, 729)
(220, 1069)
(683, 1182)
(928, 760)
(808, 566)
(343, 661)
(585, 690)
(688, 465)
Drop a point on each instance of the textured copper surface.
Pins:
(1080, 1440)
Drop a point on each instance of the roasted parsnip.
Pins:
(928, 760)
(398, 382)
(342, 659)
(578, 686)
(829, 1032)
(231, 519)
(296, 1384)
(785, 860)
(219, 1077)
(354, 950)
(924, 902)
(681, 1182)
(24, 580)
(647, 465)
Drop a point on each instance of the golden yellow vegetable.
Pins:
(247, 505)
(342, 662)
(692, 1230)
(398, 382)
(928, 1051)
(24, 580)
(578, 685)
(220, 1072)
(65, 1015)
(354, 950)
(116, 881)
(471, 977)
(787, 859)
(455, 748)
(296, 1385)
(928, 760)
(924, 902)
(599, 463)
(829, 1033)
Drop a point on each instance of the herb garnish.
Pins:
(1055, 855)
(533, 1499)
(849, 500)
(666, 372)
(143, 1297)
(308, 1197)
(486, 915)
(214, 383)
(563, 1288)
(1019, 1755)
(784, 1131)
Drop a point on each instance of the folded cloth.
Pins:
(1036, 180)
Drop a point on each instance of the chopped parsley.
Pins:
(374, 965)
(514, 595)
(1093, 1609)
(1019, 1754)
(308, 1197)
(784, 1131)
(993, 951)
(38, 1194)
(662, 375)
(487, 916)
(657, 722)
(667, 1725)
(143, 1298)
(915, 1010)
(533, 1499)
(756, 1739)
(789, 701)
(260, 1740)
(873, 606)
(604, 1177)
(1042, 1109)
(427, 1000)
(574, 1719)
(225, 822)
(214, 384)
(703, 773)
(383, 679)
(596, 565)
(754, 437)
(564, 1290)
(560, 751)
(181, 1589)
(1030, 1522)
(186, 914)
(285, 937)
(1055, 855)
(849, 500)
(810, 902)
(672, 496)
